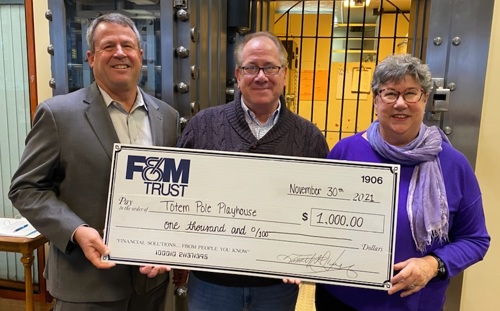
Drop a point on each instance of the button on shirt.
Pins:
(258, 129)
(131, 127)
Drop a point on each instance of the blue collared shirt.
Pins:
(258, 129)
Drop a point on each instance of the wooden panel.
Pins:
(14, 115)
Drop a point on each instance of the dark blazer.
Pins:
(62, 182)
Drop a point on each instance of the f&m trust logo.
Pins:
(161, 176)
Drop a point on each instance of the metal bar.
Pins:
(314, 61)
(327, 105)
(300, 57)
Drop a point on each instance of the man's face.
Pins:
(117, 59)
(261, 89)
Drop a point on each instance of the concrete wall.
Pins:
(480, 288)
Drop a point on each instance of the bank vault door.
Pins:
(456, 43)
(184, 44)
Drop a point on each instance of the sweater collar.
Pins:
(272, 118)
(236, 117)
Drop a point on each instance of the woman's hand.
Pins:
(414, 274)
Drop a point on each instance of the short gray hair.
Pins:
(394, 68)
(115, 18)
(241, 44)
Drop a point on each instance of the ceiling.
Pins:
(341, 11)
(311, 6)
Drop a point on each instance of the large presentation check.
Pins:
(272, 216)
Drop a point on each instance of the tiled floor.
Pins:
(304, 303)
(18, 305)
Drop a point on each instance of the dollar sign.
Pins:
(305, 216)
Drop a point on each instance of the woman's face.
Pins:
(400, 119)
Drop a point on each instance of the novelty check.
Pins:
(272, 216)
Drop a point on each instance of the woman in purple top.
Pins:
(441, 227)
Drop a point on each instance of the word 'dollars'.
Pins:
(161, 176)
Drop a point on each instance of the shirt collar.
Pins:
(251, 114)
(139, 100)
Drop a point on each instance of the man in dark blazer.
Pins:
(61, 185)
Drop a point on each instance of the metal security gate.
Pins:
(333, 47)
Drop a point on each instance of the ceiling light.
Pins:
(354, 3)
(144, 2)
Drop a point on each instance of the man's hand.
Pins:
(292, 281)
(153, 271)
(93, 247)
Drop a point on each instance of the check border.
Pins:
(114, 191)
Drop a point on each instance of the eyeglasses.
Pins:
(254, 70)
(410, 96)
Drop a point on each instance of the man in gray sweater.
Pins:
(257, 121)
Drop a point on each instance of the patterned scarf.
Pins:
(427, 205)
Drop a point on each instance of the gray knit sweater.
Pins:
(224, 128)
